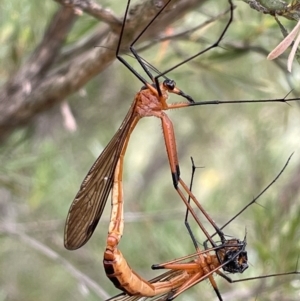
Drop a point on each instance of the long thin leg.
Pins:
(214, 45)
(123, 61)
(259, 195)
(119, 45)
(187, 225)
(136, 55)
(142, 63)
(170, 142)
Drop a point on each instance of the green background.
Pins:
(242, 148)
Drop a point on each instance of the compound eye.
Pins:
(169, 84)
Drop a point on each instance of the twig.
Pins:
(94, 9)
(39, 84)
(45, 250)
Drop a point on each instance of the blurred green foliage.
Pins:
(242, 147)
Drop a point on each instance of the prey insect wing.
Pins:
(161, 278)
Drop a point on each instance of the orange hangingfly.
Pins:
(229, 255)
(88, 205)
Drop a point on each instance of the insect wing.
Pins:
(163, 277)
(88, 205)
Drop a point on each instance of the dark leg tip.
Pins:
(175, 180)
(178, 171)
(170, 297)
(156, 267)
(190, 99)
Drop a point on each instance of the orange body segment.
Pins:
(88, 205)
(184, 274)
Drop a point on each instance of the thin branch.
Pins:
(289, 191)
(94, 9)
(38, 86)
(45, 250)
(184, 34)
(28, 78)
